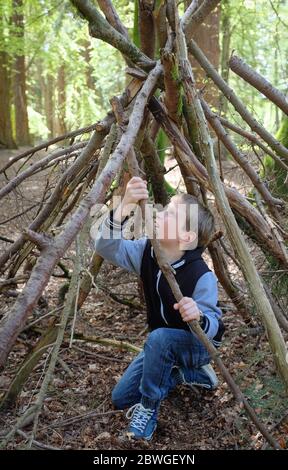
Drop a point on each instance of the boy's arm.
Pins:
(124, 253)
(109, 242)
(205, 295)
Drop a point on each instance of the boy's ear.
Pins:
(188, 241)
(189, 237)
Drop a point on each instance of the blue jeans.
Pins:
(148, 378)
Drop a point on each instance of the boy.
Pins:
(172, 353)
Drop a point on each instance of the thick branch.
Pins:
(147, 27)
(172, 85)
(189, 12)
(161, 25)
(252, 138)
(235, 101)
(241, 159)
(101, 29)
(191, 25)
(259, 82)
(48, 143)
(39, 165)
(112, 16)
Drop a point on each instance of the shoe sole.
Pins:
(207, 368)
(209, 371)
(130, 435)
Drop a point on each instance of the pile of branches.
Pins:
(161, 95)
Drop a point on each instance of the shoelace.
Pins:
(140, 416)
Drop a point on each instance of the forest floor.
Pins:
(78, 412)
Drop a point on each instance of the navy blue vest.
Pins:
(158, 295)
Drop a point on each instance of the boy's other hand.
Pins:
(136, 190)
(188, 309)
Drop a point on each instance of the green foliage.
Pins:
(162, 143)
(136, 35)
(267, 396)
(37, 124)
(282, 134)
(273, 171)
(55, 35)
(276, 176)
(176, 78)
(260, 37)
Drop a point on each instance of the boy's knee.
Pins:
(158, 336)
(117, 399)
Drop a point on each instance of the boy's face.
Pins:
(171, 224)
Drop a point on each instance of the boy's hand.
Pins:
(136, 190)
(188, 309)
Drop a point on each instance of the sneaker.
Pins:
(204, 377)
(143, 422)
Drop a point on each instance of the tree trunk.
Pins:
(87, 48)
(49, 103)
(207, 37)
(225, 51)
(60, 118)
(6, 135)
(19, 78)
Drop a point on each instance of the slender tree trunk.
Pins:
(19, 78)
(49, 104)
(60, 118)
(207, 37)
(6, 135)
(225, 51)
(37, 89)
(87, 48)
(147, 27)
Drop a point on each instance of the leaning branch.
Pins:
(241, 159)
(192, 24)
(250, 75)
(48, 143)
(237, 201)
(235, 101)
(112, 16)
(101, 29)
(255, 140)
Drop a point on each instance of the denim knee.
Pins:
(117, 398)
(123, 398)
(158, 337)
